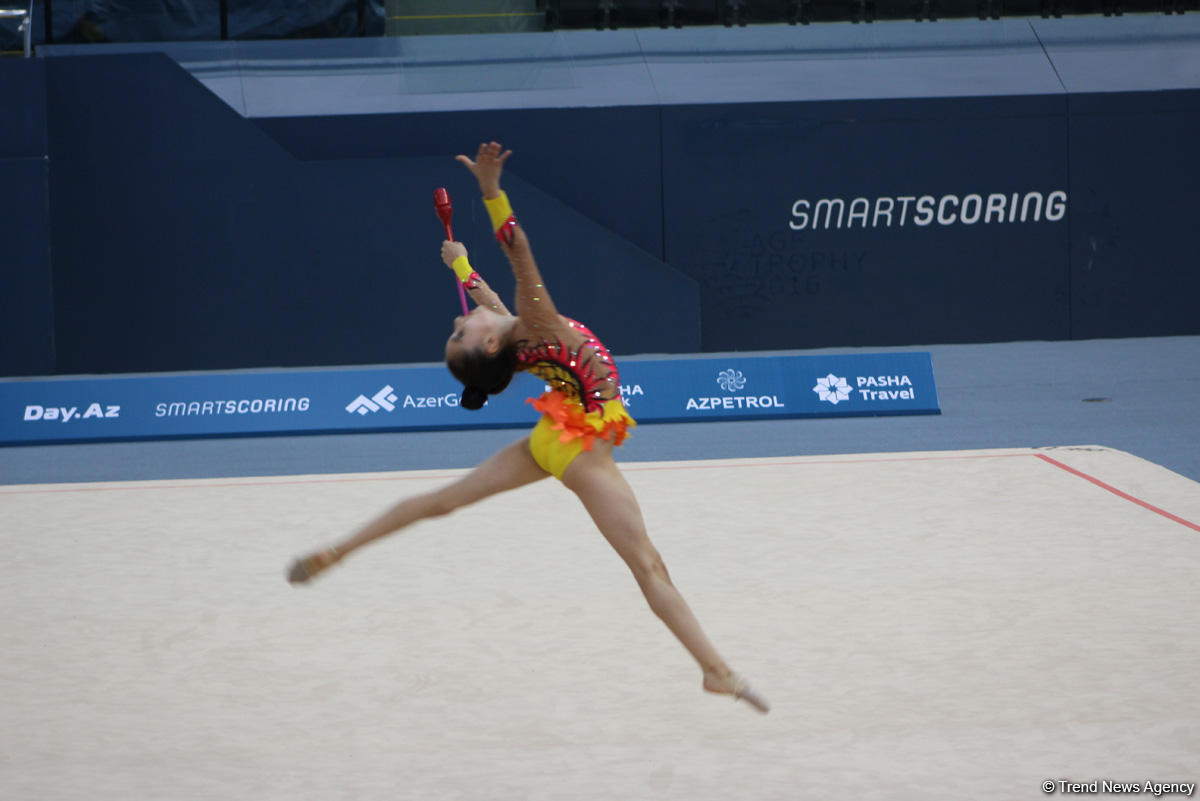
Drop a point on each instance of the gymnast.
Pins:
(582, 420)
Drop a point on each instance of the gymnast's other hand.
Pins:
(451, 251)
(487, 166)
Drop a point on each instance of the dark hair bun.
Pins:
(473, 398)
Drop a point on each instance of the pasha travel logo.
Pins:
(383, 399)
(885, 387)
(833, 389)
(733, 381)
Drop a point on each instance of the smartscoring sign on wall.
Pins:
(425, 397)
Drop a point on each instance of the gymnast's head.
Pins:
(480, 355)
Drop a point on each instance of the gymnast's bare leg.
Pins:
(608, 498)
(594, 477)
(507, 469)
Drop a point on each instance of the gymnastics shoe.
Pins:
(309, 567)
(739, 688)
(742, 691)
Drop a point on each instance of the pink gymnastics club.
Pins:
(441, 204)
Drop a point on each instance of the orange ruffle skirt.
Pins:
(566, 429)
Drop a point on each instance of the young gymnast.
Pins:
(583, 419)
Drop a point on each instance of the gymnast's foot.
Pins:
(733, 684)
(307, 568)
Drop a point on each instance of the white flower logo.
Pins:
(731, 380)
(832, 389)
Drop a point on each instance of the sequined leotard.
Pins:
(586, 372)
(583, 401)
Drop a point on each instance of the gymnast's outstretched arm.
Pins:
(534, 305)
(454, 254)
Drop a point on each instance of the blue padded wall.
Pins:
(26, 310)
(604, 162)
(774, 278)
(247, 204)
(186, 238)
(1135, 167)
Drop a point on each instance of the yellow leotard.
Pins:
(583, 402)
(555, 444)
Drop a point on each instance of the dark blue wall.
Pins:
(603, 162)
(26, 310)
(1135, 168)
(186, 238)
(157, 229)
(773, 279)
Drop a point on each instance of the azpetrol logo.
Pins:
(387, 400)
(836, 389)
(733, 381)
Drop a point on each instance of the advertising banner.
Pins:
(426, 397)
(813, 225)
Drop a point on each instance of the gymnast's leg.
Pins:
(608, 498)
(507, 469)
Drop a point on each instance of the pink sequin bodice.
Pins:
(585, 371)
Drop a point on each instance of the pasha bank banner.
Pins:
(425, 397)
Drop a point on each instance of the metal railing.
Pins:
(26, 26)
(406, 17)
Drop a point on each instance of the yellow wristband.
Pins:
(499, 209)
(462, 268)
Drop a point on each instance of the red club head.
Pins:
(441, 202)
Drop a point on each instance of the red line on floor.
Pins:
(628, 466)
(153, 484)
(159, 484)
(1118, 492)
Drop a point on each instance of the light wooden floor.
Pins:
(939, 625)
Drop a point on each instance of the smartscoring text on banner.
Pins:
(425, 397)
